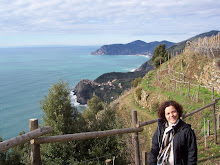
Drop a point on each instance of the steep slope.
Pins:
(159, 85)
(181, 45)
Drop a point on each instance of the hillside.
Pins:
(159, 85)
(107, 86)
(181, 45)
(133, 48)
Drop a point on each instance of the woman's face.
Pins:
(171, 114)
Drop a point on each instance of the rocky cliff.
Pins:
(107, 86)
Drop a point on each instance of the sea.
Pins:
(27, 73)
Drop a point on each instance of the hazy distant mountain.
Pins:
(181, 45)
(132, 48)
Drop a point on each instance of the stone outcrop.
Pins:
(107, 86)
(84, 90)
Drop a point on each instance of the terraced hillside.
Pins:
(191, 79)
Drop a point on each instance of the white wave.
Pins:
(143, 55)
(73, 99)
(129, 70)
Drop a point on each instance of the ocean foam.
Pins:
(73, 99)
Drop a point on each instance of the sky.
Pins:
(101, 22)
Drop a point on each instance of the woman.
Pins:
(174, 142)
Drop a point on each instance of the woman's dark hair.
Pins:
(177, 106)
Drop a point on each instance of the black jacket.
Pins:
(184, 144)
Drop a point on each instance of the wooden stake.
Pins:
(181, 89)
(218, 120)
(208, 128)
(144, 158)
(213, 92)
(204, 132)
(198, 94)
(135, 138)
(35, 156)
(175, 86)
(188, 88)
(214, 124)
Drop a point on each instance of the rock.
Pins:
(107, 86)
(84, 91)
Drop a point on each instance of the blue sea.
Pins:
(26, 74)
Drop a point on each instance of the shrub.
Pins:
(136, 81)
(138, 93)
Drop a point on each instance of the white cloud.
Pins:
(116, 17)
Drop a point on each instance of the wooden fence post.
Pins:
(198, 94)
(181, 65)
(181, 92)
(214, 124)
(144, 158)
(188, 88)
(135, 138)
(208, 128)
(113, 160)
(168, 58)
(170, 85)
(213, 92)
(218, 120)
(204, 132)
(35, 156)
(175, 87)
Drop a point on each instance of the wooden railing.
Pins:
(35, 139)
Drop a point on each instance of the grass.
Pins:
(209, 154)
(159, 91)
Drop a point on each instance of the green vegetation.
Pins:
(136, 81)
(160, 55)
(18, 155)
(158, 85)
(162, 88)
(65, 119)
(138, 93)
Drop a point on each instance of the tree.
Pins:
(64, 119)
(160, 55)
(157, 61)
(20, 154)
(100, 117)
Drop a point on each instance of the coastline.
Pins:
(73, 100)
(107, 82)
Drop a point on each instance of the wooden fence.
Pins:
(182, 82)
(35, 139)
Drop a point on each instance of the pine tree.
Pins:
(64, 119)
(160, 55)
